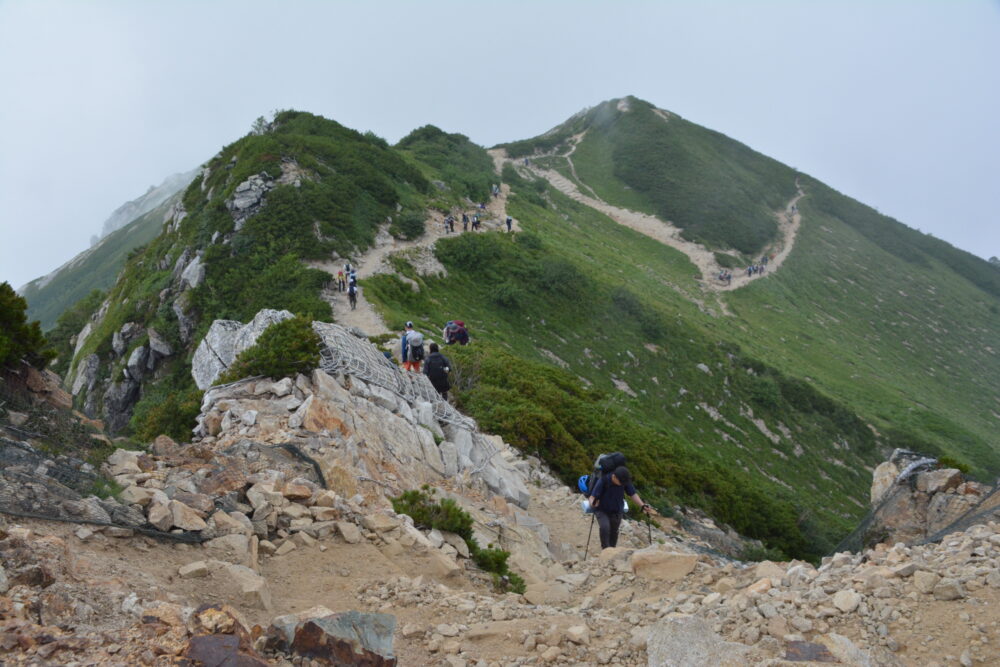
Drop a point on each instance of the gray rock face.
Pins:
(121, 338)
(193, 273)
(158, 345)
(225, 340)
(86, 374)
(184, 323)
(248, 198)
(215, 353)
(182, 261)
(81, 338)
(136, 366)
(119, 400)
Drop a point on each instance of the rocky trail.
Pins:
(291, 552)
(704, 259)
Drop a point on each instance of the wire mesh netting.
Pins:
(343, 352)
(985, 510)
(62, 488)
(937, 517)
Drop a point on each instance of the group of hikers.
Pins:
(725, 276)
(347, 281)
(474, 220)
(449, 222)
(435, 365)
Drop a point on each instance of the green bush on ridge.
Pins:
(446, 515)
(283, 349)
(20, 339)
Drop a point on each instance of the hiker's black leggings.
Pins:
(608, 524)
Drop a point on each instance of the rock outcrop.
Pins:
(224, 342)
(913, 499)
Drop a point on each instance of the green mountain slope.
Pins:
(719, 191)
(767, 406)
(94, 268)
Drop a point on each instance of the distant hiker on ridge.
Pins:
(436, 368)
(509, 221)
(608, 501)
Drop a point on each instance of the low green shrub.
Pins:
(727, 261)
(284, 349)
(408, 226)
(105, 488)
(952, 462)
(446, 515)
(166, 410)
(20, 339)
(507, 295)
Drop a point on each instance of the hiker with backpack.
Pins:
(607, 499)
(436, 368)
(455, 332)
(510, 220)
(352, 295)
(412, 348)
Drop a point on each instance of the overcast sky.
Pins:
(894, 103)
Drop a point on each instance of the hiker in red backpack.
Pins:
(455, 332)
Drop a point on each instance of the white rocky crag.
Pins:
(349, 425)
(224, 342)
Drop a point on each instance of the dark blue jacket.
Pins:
(611, 496)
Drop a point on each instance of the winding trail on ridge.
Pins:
(789, 221)
(375, 260)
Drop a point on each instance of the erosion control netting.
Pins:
(344, 352)
(957, 518)
(987, 509)
(61, 488)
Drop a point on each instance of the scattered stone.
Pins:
(194, 570)
(846, 601)
(925, 581)
(349, 531)
(662, 565)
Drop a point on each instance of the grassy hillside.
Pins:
(598, 350)
(95, 268)
(887, 326)
(719, 191)
(591, 337)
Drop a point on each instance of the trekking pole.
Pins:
(589, 533)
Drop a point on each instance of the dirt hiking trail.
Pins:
(419, 252)
(709, 269)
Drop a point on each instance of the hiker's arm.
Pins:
(647, 508)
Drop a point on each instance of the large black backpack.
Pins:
(604, 465)
(435, 368)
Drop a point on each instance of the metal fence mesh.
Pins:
(955, 518)
(343, 352)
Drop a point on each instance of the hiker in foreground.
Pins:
(436, 368)
(608, 501)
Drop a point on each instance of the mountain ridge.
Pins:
(712, 383)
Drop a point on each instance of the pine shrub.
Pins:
(284, 349)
